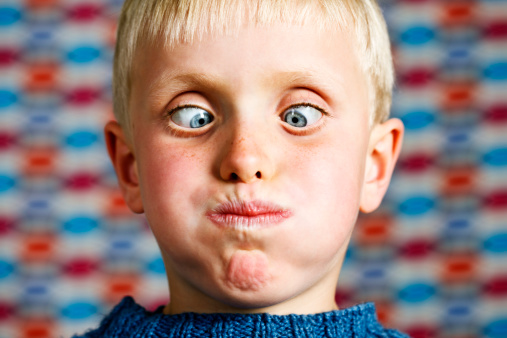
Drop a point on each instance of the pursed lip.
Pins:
(252, 214)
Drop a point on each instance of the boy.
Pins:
(250, 133)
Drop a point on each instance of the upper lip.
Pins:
(251, 208)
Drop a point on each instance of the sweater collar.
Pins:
(137, 321)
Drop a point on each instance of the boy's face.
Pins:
(251, 156)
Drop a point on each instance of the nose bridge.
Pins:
(246, 151)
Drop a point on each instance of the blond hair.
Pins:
(146, 22)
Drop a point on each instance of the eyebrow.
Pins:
(174, 82)
(304, 78)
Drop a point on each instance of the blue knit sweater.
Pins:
(129, 319)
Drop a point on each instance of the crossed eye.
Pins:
(299, 116)
(191, 117)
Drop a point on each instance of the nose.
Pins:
(246, 156)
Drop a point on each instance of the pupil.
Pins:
(295, 120)
(201, 121)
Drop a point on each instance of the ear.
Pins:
(383, 150)
(124, 163)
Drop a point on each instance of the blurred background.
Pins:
(433, 258)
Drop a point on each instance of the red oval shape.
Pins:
(8, 56)
(7, 310)
(417, 248)
(416, 162)
(496, 30)
(421, 331)
(83, 96)
(7, 140)
(417, 77)
(80, 267)
(496, 286)
(85, 12)
(6, 225)
(496, 200)
(496, 113)
(81, 181)
(344, 297)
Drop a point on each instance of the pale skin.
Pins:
(247, 150)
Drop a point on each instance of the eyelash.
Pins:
(307, 104)
(181, 106)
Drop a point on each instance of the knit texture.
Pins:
(129, 319)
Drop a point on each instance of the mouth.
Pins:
(246, 215)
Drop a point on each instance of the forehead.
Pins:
(256, 60)
(273, 42)
(158, 26)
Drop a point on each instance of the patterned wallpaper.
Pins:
(433, 258)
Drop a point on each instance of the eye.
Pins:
(191, 117)
(302, 116)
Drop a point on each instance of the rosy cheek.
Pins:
(166, 168)
(327, 179)
(186, 182)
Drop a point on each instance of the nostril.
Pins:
(234, 176)
(258, 174)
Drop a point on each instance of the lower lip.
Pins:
(245, 222)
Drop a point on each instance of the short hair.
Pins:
(146, 22)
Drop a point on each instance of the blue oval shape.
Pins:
(374, 273)
(459, 53)
(458, 137)
(122, 244)
(6, 183)
(42, 34)
(496, 71)
(40, 119)
(6, 269)
(79, 225)
(416, 205)
(417, 35)
(496, 329)
(458, 224)
(417, 119)
(460, 310)
(496, 243)
(41, 204)
(37, 290)
(157, 266)
(417, 293)
(496, 157)
(9, 16)
(81, 139)
(7, 98)
(84, 54)
(79, 310)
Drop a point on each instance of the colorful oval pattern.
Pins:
(417, 292)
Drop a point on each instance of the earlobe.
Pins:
(383, 151)
(124, 163)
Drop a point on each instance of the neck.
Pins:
(317, 299)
